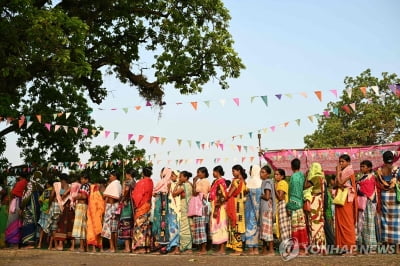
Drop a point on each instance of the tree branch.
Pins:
(8, 130)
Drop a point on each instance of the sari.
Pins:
(125, 224)
(218, 218)
(295, 205)
(316, 218)
(45, 207)
(185, 222)
(30, 212)
(252, 208)
(345, 216)
(267, 210)
(80, 222)
(141, 196)
(173, 218)
(283, 226)
(110, 222)
(66, 215)
(389, 208)
(95, 217)
(199, 233)
(235, 211)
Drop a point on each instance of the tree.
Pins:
(120, 159)
(375, 120)
(55, 54)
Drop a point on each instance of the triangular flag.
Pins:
(334, 92)
(304, 94)
(138, 107)
(221, 145)
(67, 115)
(252, 98)
(28, 124)
(148, 103)
(251, 158)
(48, 126)
(279, 96)
(116, 135)
(353, 106)
(21, 121)
(251, 134)
(326, 113)
(237, 101)
(349, 92)
(140, 137)
(94, 131)
(54, 116)
(130, 136)
(265, 100)
(107, 133)
(163, 140)
(60, 114)
(190, 143)
(245, 148)
(28, 118)
(202, 146)
(125, 110)
(239, 148)
(272, 128)
(319, 95)
(222, 101)
(65, 129)
(207, 103)
(151, 139)
(56, 127)
(243, 159)
(311, 118)
(375, 89)
(286, 124)
(39, 118)
(346, 108)
(85, 131)
(194, 104)
(198, 144)
(335, 110)
(298, 122)
(363, 90)
(179, 142)
(76, 130)
(289, 95)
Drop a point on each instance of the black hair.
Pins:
(64, 177)
(115, 173)
(219, 170)
(23, 175)
(85, 176)
(228, 182)
(147, 171)
(203, 170)
(267, 169)
(132, 172)
(239, 168)
(367, 163)
(295, 164)
(186, 174)
(345, 157)
(281, 172)
(388, 157)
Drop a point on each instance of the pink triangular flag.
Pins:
(304, 94)
(107, 133)
(326, 113)
(151, 139)
(140, 137)
(221, 145)
(243, 159)
(353, 106)
(273, 128)
(21, 121)
(334, 92)
(48, 126)
(236, 100)
(130, 136)
(239, 148)
(56, 128)
(85, 131)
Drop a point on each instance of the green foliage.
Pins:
(375, 121)
(54, 55)
(121, 158)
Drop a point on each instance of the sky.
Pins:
(289, 47)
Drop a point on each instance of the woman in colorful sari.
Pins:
(126, 219)
(160, 223)
(31, 210)
(316, 184)
(346, 216)
(218, 218)
(201, 188)
(3, 215)
(366, 190)
(13, 234)
(183, 192)
(96, 207)
(235, 210)
(267, 210)
(65, 222)
(44, 201)
(387, 178)
(252, 210)
(283, 225)
(174, 215)
(295, 206)
(141, 196)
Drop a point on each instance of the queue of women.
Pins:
(180, 214)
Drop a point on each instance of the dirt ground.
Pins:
(44, 257)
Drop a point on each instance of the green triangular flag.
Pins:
(252, 98)
(265, 99)
(115, 135)
(207, 103)
(125, 110)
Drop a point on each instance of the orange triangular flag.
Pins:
(194, 104)
(39, 118)
(21, 121)
(138, 107)
(364, 90)
(319, 95)
(140, 137)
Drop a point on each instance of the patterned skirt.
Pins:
(266, 225)
(125, 224)
(366, 225)
(390, 219)
(65, 223)
(80, 221)
(142, 232)
(54, 215)
(283, 220)
(110, 222)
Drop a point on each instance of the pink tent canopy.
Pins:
(329, 158)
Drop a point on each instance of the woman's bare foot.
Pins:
(202, 252)
(188, 252)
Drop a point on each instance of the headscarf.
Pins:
(113, 190)
(162, 185)
(254, 180)
(316, 176)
